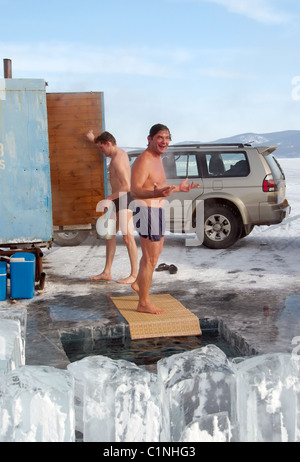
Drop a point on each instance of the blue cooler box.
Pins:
(3, 280)
(22, 275)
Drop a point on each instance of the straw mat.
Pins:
(176, 321)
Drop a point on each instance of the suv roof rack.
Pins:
(204, 145)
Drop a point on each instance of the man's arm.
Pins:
(90, 136)
(184, 187)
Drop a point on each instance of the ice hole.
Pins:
(92, 341)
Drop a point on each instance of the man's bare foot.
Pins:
(150, 309)
(101, 277)
(135, 286)
(129, 280)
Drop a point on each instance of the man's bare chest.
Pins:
(157, 175)
(113, 173)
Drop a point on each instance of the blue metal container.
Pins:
(22, 275)
(25, 185)
(3, 280)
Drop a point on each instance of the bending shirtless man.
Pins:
(119, 176)
(149, 188)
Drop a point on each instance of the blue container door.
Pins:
(25, 186)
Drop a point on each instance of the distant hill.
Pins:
(288, 142)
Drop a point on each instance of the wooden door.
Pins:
(77, 167)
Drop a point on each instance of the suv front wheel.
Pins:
(222, 226)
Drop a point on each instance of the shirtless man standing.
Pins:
(149, 188)
(119, 176)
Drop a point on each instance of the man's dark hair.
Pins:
(157, 128)
(105, 137)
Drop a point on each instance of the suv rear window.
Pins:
(226, 164)
(275, 167)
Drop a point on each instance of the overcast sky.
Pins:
(206, 68)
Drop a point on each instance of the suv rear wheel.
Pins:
(221, 226)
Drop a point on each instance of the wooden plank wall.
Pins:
(77, 170)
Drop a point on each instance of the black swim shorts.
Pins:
(150, 222)
(123, 202)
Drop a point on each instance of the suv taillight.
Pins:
(269, 184)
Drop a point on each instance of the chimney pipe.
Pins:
(7, 68)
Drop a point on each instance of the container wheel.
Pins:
(69, 238)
